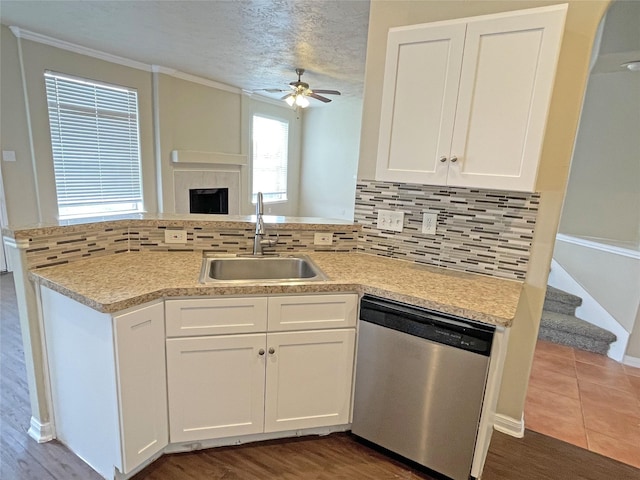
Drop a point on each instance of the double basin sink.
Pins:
(260, 268)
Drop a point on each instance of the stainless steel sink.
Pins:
(291, 268)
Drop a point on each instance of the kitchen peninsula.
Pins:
(107, 324)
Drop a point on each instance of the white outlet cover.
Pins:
(429, 223)
(322, 238)
(175, 236)
(9, 155)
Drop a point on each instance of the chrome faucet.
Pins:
(258, 239)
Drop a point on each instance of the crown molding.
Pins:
(127, 62)
(194, 79)
(72, 47)
(264, 99)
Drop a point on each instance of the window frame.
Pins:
(287, 121)
(130, 124)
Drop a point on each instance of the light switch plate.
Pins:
(322, 238)
(390, 220)
(175, 236)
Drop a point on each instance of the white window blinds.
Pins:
(96, 153)
(270, 157)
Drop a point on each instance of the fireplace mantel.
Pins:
(211, 158)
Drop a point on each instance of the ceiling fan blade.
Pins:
(318, 97)
(327, 92)
(271, 90)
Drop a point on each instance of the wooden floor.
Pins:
(334, 457)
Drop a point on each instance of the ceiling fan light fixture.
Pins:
(298, 96)
(302, 101)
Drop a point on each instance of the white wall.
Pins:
(331, 143)
(19, 182)
(633, 347)
(612, 280)
(603, 192)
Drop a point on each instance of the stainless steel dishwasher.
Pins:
(420, 381)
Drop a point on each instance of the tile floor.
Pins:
(585, 399)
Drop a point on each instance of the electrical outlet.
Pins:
(9, 155)
(175, 236)
(429, 221)
(322, 238)
(390, 220)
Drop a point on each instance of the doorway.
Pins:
(580, 397)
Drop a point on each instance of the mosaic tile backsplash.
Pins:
(479, 231)
(59, 249)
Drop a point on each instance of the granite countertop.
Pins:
(116, 282)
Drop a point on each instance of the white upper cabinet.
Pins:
(465, 102)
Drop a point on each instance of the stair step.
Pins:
(556, 300)
(574, 341)
(569, 330)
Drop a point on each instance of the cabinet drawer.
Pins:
(312, 312)
(215, 316)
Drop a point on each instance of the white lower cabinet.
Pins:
(108, 382)
(230, 385)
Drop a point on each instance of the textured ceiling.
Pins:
(250, 44)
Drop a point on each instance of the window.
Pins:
(96, 149)
(270, 156)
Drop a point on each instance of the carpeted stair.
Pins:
(560, 325)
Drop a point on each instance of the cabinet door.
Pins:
(418, 102)
(506, 83)
(216, 386)
(142, 387)
(309, 377)
(312, 312)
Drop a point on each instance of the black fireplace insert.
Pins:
(209, 200)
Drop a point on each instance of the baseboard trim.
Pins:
(40, 432)
(509, 425)
(631, 361)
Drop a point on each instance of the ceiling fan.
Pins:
(301, 91)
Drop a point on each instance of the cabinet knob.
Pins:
(443, 159)
(272, 350)
(261, 352)
(454, 159)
